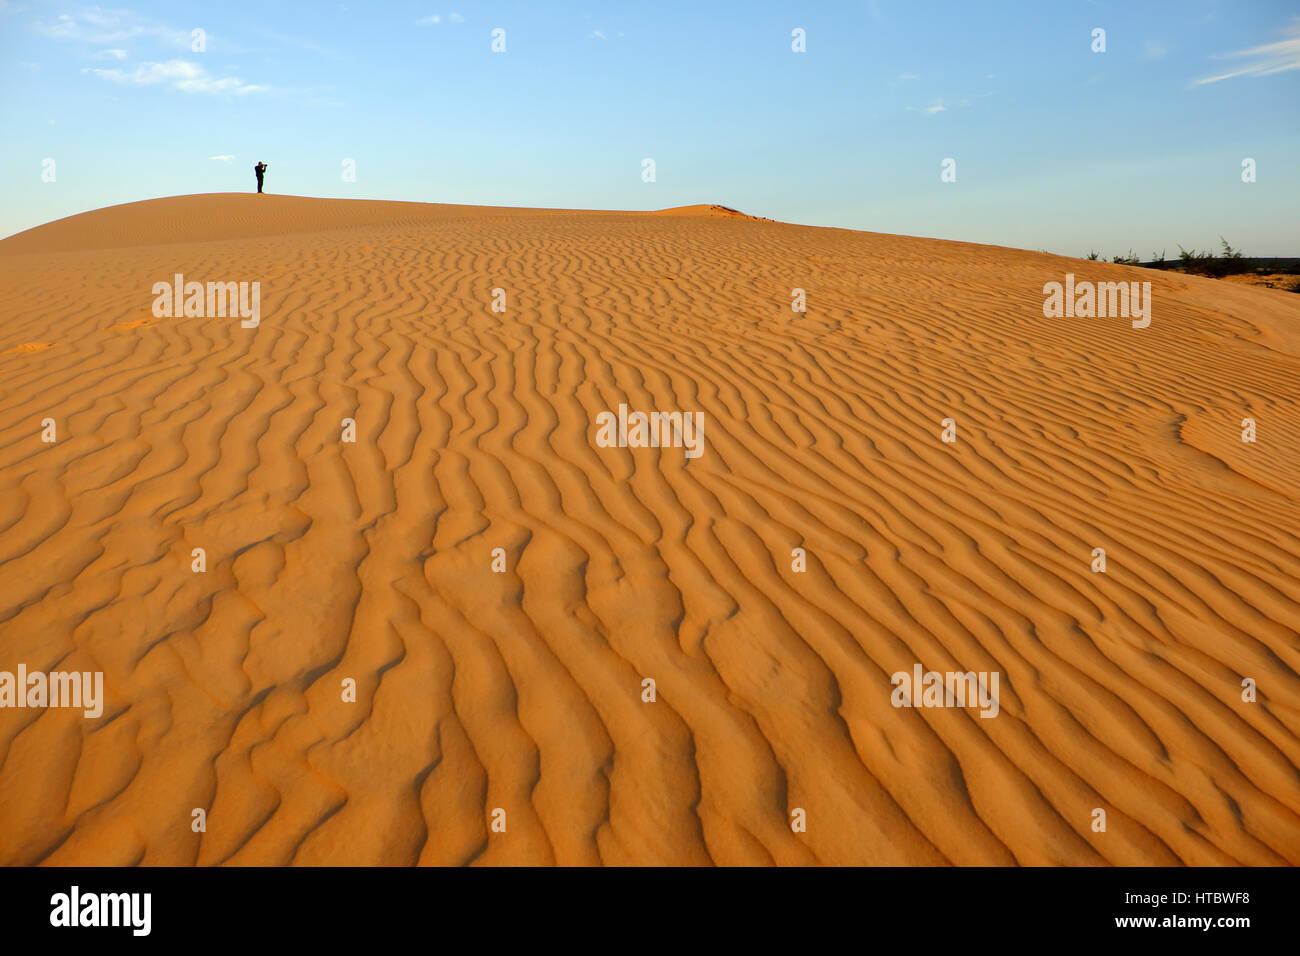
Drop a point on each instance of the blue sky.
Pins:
(1057, 147)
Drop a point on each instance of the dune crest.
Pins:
(498, 587)
(703, 209)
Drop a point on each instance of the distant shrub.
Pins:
(1208, 264)
(1230, 262)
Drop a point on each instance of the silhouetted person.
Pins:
(260, 170)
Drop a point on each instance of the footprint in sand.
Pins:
(127, 326)
(29, 347)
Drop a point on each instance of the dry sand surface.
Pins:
(1282, 281)
(522, 690)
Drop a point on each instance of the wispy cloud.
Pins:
(597, 35)
(179, 75)
(95, 25)
(1153, 50)
(1279, 57)
(434, 19)
(224, 157)
(88, 27)
(936, 107)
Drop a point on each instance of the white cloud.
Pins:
(597, 35)
(111, 55)
(433, 19)
(96, 25)
(904, 77)
(1153, 50)
(1279, 57)
(179, 75)
(457, 18)
(224, 157)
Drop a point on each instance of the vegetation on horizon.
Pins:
(1228, 261)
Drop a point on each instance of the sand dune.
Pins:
(522, 690)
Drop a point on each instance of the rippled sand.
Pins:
(522, 690)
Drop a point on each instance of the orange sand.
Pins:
(522, 690)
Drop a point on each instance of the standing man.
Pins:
(260, 170)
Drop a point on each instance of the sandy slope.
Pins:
(522, 690)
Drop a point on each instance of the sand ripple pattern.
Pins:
(521, 690)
